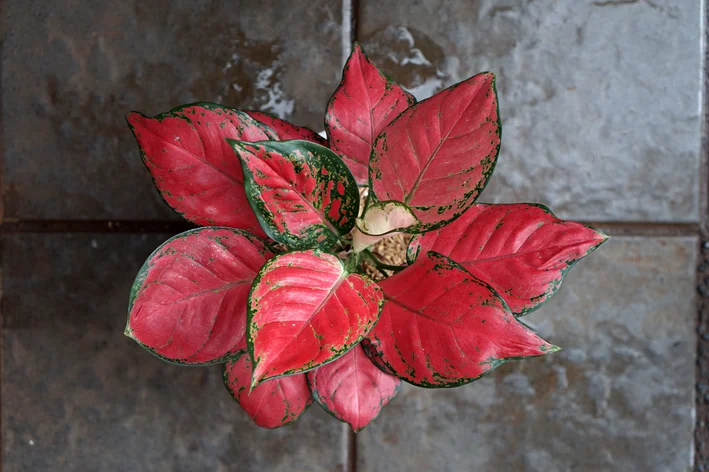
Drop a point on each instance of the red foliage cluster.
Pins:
(306, 323)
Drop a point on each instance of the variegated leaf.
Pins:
(188, 302)
(193, 166)
(286, 130)
(437, 156)
(365, 102)
(442, 327)
(272, 404)
(307, 309)
(303, 194)
(352, 388)
(523, 251)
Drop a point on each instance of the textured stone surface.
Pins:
(619, 396)
(599, 99)
(72, 70)
(79, 396)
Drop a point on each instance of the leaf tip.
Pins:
(550, 348)
(357, 48)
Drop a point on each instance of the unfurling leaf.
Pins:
(272, 404)
(303, 194)
(286, 130)
(306, 309)
(381, 220)
(188, 303)
(193, 166)
(352, 388)
(365, 102)
(442, 327)
(436, 157)
(523, 251)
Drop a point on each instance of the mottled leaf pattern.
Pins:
(352, 388)
(193, 166)
(188, 303)
(442, 327)
(272, 404)
(436, 157)
(303, 194)
(306, 309)
(523, 251)
(364, 103)
(286, 130)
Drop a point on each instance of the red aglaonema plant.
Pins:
(273, 285)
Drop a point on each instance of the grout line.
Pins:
(700, 450)
(349, 448)
(643, 229)
(350, 21)
(14, 226)
(347, 30)
(3, 50)
(93, 226)
(355, 28)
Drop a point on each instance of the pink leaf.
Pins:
(188, 302)
(286, 130)
(436, 156)
(352, 388)
(365, 102)
(272, 404)
(381, 220)
(523, 251)
(305, 310)
(194, 167)
(442, 327)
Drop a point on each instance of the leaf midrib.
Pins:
(417, 311)
(524, 253)
(307, 322)
(416, 184)
(220, 288)
(195, 156)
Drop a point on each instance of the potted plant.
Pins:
(274, 283)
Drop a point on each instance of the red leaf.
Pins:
(523, 251)
(365, 102)
(436, 157)
(286, 130)
(188, 302)
(272, 404)
(305, 310)
(352, 389)
(442, 327)
(302, 193)
(193, 166)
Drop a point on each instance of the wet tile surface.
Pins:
(599, 99)
(619, 396)
(72, 70)
(78, 395)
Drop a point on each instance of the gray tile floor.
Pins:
(602, 109)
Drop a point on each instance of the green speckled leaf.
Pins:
(302, 193)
